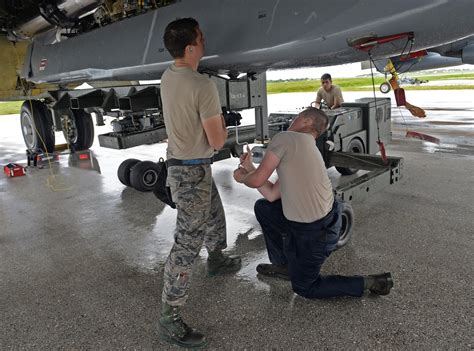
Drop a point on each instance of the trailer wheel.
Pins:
(355, 146)
(123, 171)
(347, 224)
(78, 129)
(385, 87)
(37, 126)
(144, 175)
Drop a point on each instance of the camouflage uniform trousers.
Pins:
(200, 219)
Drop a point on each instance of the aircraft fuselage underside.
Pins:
(242, 36)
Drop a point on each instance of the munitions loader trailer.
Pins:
(350, 143)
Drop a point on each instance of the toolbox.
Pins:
(14, 170)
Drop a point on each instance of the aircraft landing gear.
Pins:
(37, 126)
(39, 123)
(78, 129)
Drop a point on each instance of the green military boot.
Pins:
(173, 329)
(218, 263)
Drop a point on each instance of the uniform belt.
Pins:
(194, 162)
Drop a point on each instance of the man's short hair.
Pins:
(319, 118)
(326, 76)
(179, 34)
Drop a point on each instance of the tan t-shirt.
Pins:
(188, 98)
(306, 191)
(328, 96)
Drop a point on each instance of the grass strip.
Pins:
(10, 107)
(363, 84)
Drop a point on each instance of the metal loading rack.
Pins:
(379, 174)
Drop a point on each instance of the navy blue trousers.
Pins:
(304, 247)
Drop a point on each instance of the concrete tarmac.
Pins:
(81, 256)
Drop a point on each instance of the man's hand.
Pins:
(232, 118)
(246, 161)
(240, 174)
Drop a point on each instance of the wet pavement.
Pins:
(81, 256)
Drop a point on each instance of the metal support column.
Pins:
(258, 94)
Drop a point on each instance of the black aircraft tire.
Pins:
(385, 88)
(37, 126)
(356, 146)
(85, 130)
(144, 175)
(347, 224)
(123, 172)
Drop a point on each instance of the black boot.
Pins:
(218, 263)
(273, 270)
(173, 329)
(379, 284)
